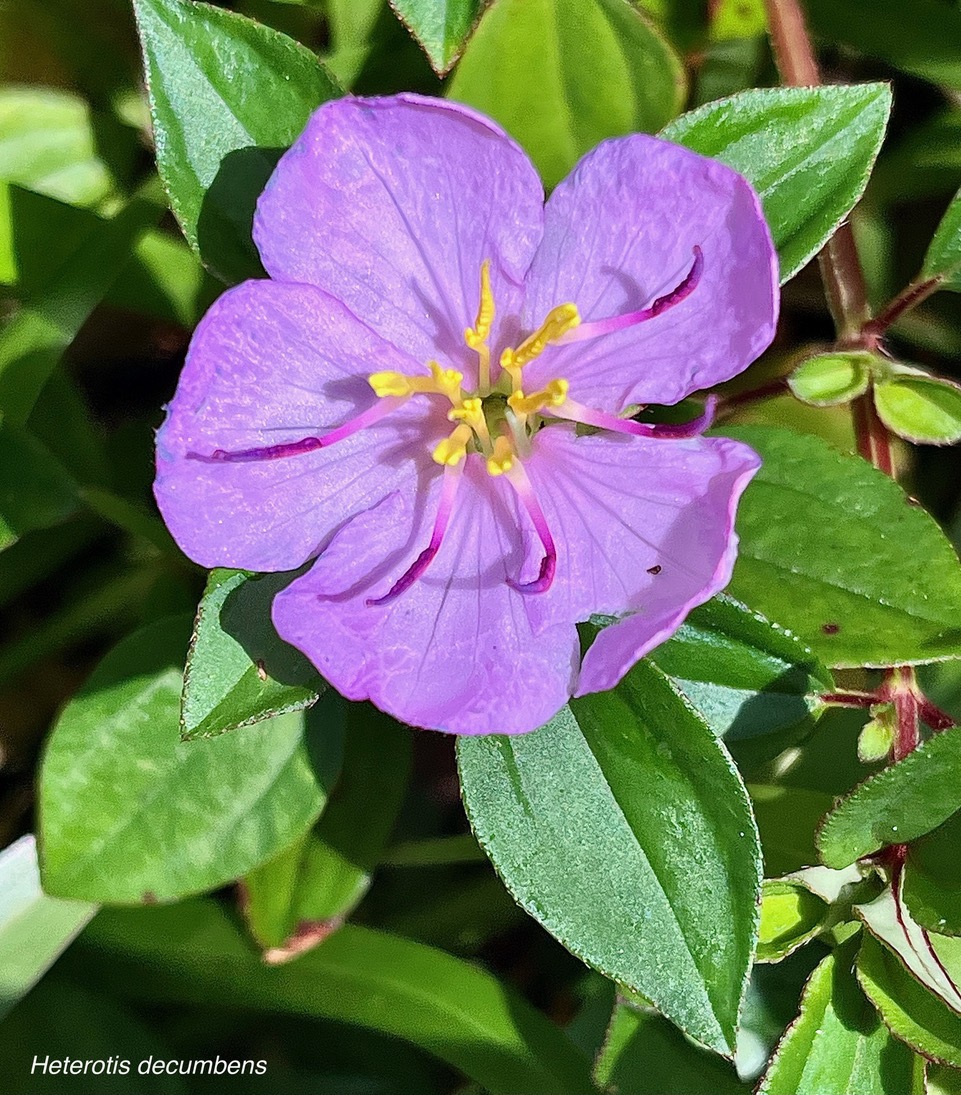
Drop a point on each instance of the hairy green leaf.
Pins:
(227, 96)
(598, 821)
(807, 151)
(829, 547)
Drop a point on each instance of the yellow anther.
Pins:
(452, 450)
(391, 383)
(446, 381)
(552, 395)
(502, 459)
(468, 411)
(471, 412)
(559, 321)
(476, 336)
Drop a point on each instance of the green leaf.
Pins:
(598, 821)
(239, 671)
(129, 813)
(644, 1055)
(48, 143)
(34, 928)
(838, 1045)
(897, 805)
(89, 1027)
(191, 954)
(924, 409)
(829, 379)
(943, 258)
(562, 77)
(790, 915)
(35, 489)
(943, 1081)
(807, 151)
(32, 343)
(911, 1012)
(440, 26)
(925, 44)
(829, 547)
(932, 878)
(322, 878)
(934, 960)
(227, 96)
(745, 675)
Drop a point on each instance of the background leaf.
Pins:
(943, 257)
(227, 96)
(561, 77)
(838, 1044)
(322, 878)
(924, 45)
(849, 588)
(34, 928)
(449, 1007)
(129, 813)
(907, 1008)
(807, 151)
(597, 821)
(35, 489)
(644, 1055)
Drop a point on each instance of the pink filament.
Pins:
(308, 444)
(452, 477)
(629, 319)
(517, 478)
(675, 431)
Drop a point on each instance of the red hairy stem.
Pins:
(846, 291)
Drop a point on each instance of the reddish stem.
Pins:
(851, 699)
(910, 297)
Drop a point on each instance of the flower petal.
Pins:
(273, 364)
(644, 526)
(455, 652)
(392, 205)
(620, 232)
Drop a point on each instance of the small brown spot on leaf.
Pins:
(261, 669)
(656, 569)
(830, 629)
(149, 897)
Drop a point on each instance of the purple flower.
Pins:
(432, 399)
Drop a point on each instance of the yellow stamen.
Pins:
(502, 459)
(476, 337)
(448, 381)
(444, 382)
(452, 450)
(471, 413)
(559, 321)
(553, 395)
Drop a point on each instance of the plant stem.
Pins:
(909, 297)
(846, 292)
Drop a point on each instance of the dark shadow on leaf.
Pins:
(224, 227)
(245, 616)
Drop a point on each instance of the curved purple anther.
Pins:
(629, 319)
(676, 431)
(452, 477)
(517, 478)
(308, 444)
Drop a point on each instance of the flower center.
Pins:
(499, 418)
